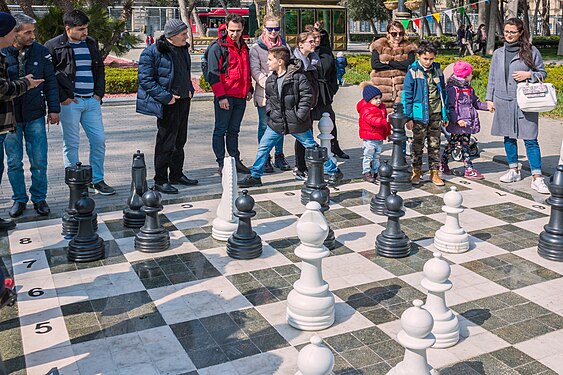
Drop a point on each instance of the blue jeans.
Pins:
(2, 137)
(372, 150)
(36, 148)
(263, 125)
(268, 141)
(532, 151)
(87, 112)
(227, 127)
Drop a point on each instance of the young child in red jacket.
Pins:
(374, 129)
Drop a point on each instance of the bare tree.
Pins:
(197, 21)
(27, 9)
(511, 9)
(273, 8)
(545, 18)
(438, 26)
(483, 13)
(492, 26)
(224, 5)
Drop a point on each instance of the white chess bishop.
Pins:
(415, 337)
(325, 129)
(315, 358)
(226, 222)
(451, 237)
(446, 325)
(310, 305)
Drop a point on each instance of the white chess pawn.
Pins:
(310, 305)
(226, 222)
(446, 326)
(325, 136)
(451, 237)
(415, 337)
(315, 358)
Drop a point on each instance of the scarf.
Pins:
(510, 50)
(268, 42)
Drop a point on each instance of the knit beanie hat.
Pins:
(173, 27)
(462, 69)
(7, 23)
(370, 92)
(340, 54)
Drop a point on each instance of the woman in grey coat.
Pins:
(515, 62)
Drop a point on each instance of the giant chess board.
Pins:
(193, 310)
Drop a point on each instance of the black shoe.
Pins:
(300, 175)
(336, 150)
(7, 224)
(103, 188)
(335, 178)
(250, 181)
(268, 168)
(166, 188)
(42, 208)
(241, 168)
(17, 209)
(220, 171)
(185, 181)
(281, 163)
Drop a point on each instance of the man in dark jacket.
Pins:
(165, 91)
(24, 57)
(9, 90)
(80, 74)
(229, 77)
(288, 106)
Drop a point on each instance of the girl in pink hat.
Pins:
(463, 118)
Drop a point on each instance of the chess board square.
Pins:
(401, 266)
(340, 218)
(201, 238)
(118, 230)
(268, 209)
(351, 269)
(426, 205)
(511, 271)
(478, 249)
(547, 294)
(352, 198)
(509, 212)
(419, 228)
(507, 237)
(461, 185)
(510, 317)
(58, 261)
(359, 239)
(287, 246)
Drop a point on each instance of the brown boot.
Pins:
(435, 178)
(416, 176)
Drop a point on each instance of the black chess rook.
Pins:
(377, 204)
(86, 245)
(401, 174)
(133, 217)
(77, 177)
(393, 242)
(550, 244)
(244, 243)
(315, 157)
(152, 237)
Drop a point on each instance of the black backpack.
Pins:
(223, 61)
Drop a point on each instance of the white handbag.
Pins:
(536, 97)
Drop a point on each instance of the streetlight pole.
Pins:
(402, 12)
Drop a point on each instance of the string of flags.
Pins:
(436, 16)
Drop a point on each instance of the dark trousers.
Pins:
(300, 150)
(227, 127)
(170, 140)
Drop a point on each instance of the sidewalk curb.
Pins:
(130, 100)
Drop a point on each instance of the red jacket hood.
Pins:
(362, 103)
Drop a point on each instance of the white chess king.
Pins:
(226, 223)
(451, 237)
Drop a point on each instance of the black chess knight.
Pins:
(244, 243)
(133, 217)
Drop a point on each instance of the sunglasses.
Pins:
(270, 29)
(395, 34)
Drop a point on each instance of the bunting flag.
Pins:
(405, 23)
(449, 13)
(474, 5)
(436, 16)
(417, 22)
(429, 18)
(461, 10)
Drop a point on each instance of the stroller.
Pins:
(456, 153)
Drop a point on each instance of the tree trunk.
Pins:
(545, 18)
(492, 27)
(536, 15)
(560, 47)
(65, 5)
(482, 18)
(526, 18)
(126, 12)
(373, 27)
(511, 9)
(273, 8)
(438, 25)
(224, 5)
(27, 9)
(197, 21)
(4, 7)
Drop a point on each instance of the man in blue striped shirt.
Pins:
(81, 78)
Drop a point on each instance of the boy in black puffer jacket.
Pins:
(289, 98)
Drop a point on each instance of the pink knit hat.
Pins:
(462, 69)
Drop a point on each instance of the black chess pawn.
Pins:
(244, 243)
(377, 204)
(152, 237)
(393, 242)
(86, 246)
(315, 157)
(322, 198)
(401, 175)
(550, 244)
(77, 177)
(133, 217)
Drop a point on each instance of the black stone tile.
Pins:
(360, 357)
(426, 205)
(240, 349)
(352, 198)
(505, 237)
(510, 212)
(371, 335)
(207, 357)
(269, 342)
(343, 342)
(388, 350)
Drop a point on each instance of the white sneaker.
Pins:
(511, 176)
(539, 185)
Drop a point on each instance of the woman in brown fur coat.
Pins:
(390, 59)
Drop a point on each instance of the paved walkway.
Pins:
(127, 131)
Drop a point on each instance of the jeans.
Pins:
(2, 137)
(532, 151)
(170, 141)
(36, 148)
(269, 140)
(87, 112)
(227, 127)
(263, 125)
(372, 150)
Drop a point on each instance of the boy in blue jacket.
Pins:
(424, 100)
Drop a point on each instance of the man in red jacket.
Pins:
(229, 77)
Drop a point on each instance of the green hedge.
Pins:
(121, 80)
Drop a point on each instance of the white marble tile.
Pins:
(228, 266)
(41, 362)
(547, 294)
(351, 269)
(359, 238)
(544, 346)
(532, 255)
(201, 214)
(93, 357)
(478, 249)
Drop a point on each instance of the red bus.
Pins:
(212, 18)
